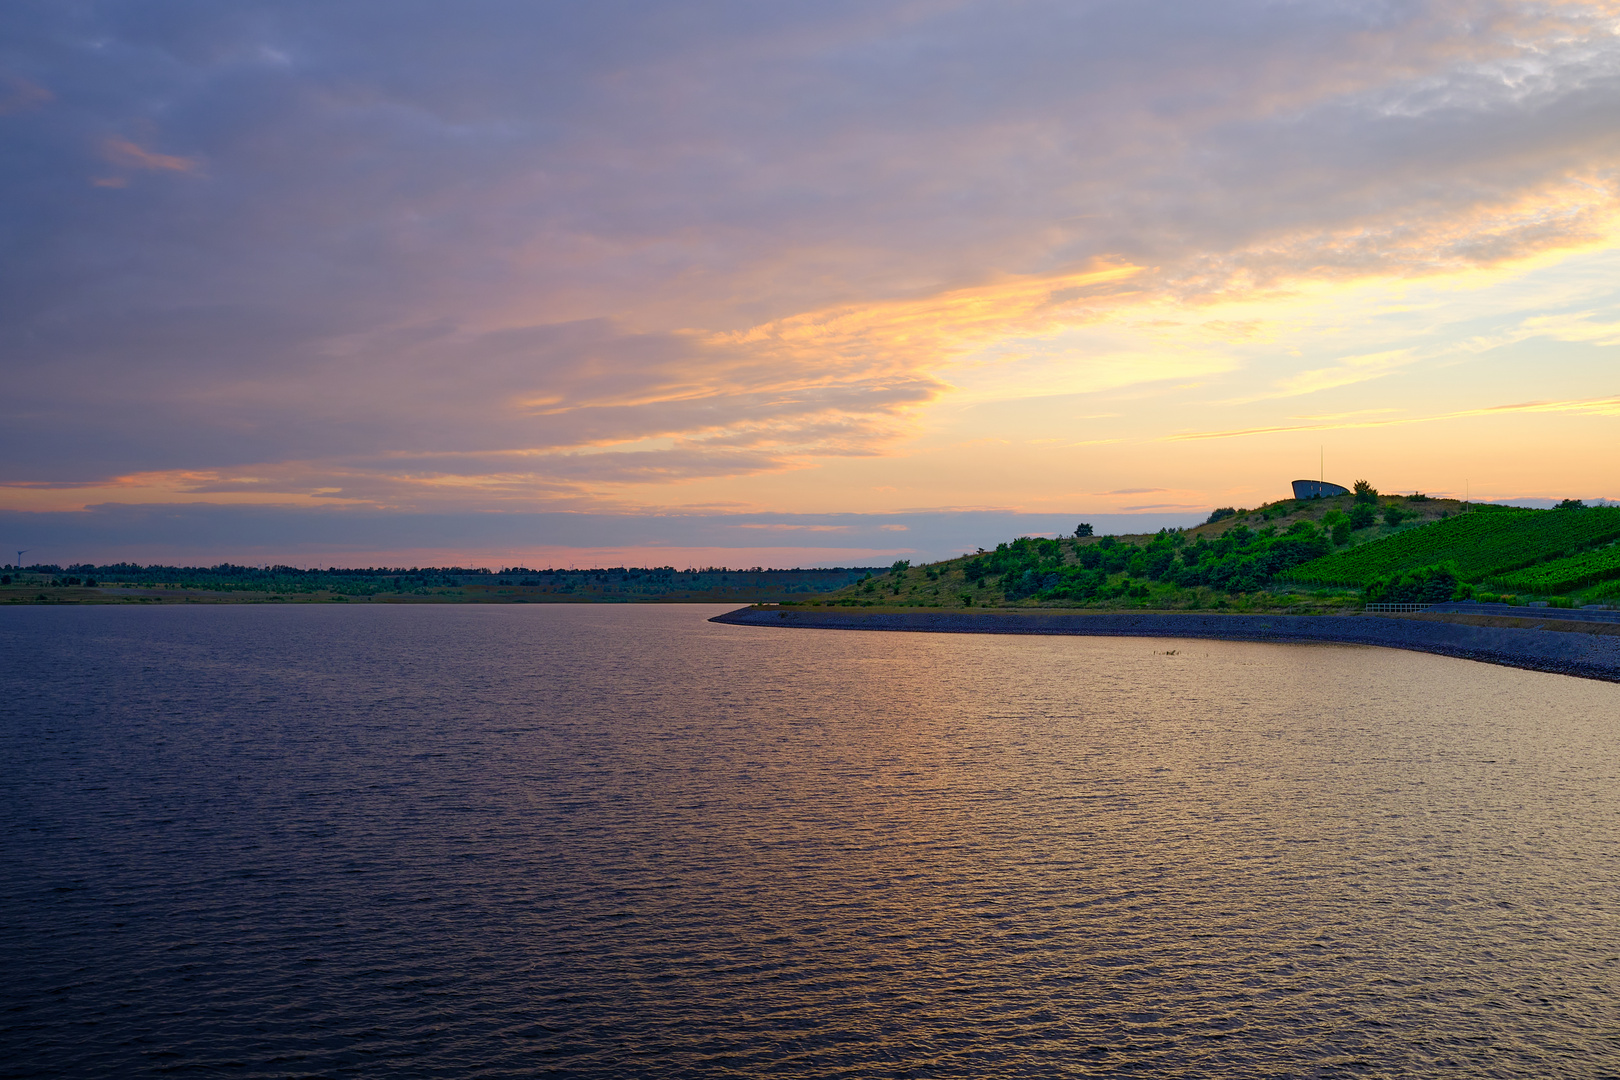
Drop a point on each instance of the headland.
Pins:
(1588, 649)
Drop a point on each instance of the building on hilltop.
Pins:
(1318, 489)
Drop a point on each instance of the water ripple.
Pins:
(624, 841)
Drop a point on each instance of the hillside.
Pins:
(1478, 545)
(1295, 555)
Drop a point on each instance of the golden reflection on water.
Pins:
(628, 841)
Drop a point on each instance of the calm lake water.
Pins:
(623, 841)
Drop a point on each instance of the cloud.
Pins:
(20, 95)
(206, 534)
(1347, 372)
(571, 254)
(1603, 406)
(125, 153)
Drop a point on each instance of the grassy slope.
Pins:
(1563, 575)
(1481, 544)
(1485, 542)
(951, 589)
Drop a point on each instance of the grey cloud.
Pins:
(206, 534)
(377, 185)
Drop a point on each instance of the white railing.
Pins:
(1397, 607)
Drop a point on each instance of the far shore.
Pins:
(1537, 643)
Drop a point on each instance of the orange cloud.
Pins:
(23, 95)
(1602, 406)
(903, 332)
(123, 152)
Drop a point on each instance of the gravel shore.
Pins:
(1564, 650)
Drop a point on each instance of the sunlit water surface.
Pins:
(592, 841)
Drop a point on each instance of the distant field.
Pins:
(1482, 544)
(1562, 575)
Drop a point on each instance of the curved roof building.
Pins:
(1318, 489)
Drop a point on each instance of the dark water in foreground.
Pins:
(513, 841)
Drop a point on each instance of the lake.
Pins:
(463, 841)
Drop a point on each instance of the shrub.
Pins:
(1571, 504)
(1610, 591)
(1341, 533)
(1366, 494)
(1423, 585)
(1362, 516)
(1221, 515)
(1394, 515)
(900, 566)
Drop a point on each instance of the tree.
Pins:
(900, 566)
(1362, 516)
(1571, 504)
(1221, 514)
(1083, 529)
(1365, 492)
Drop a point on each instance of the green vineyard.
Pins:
(1562, 575)
(1480, 544)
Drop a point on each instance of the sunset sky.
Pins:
(788, 283)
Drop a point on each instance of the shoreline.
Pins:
(1573, 649)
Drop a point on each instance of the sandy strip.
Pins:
(1537, 648)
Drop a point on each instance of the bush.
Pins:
(1362, 516)
(1221, 515)
(1611, 591)
(1571, 504)
(1366, 494)
(1423, 585)
(1394, 515)
(1341, 533)
(900, 566)
(1083, 529)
